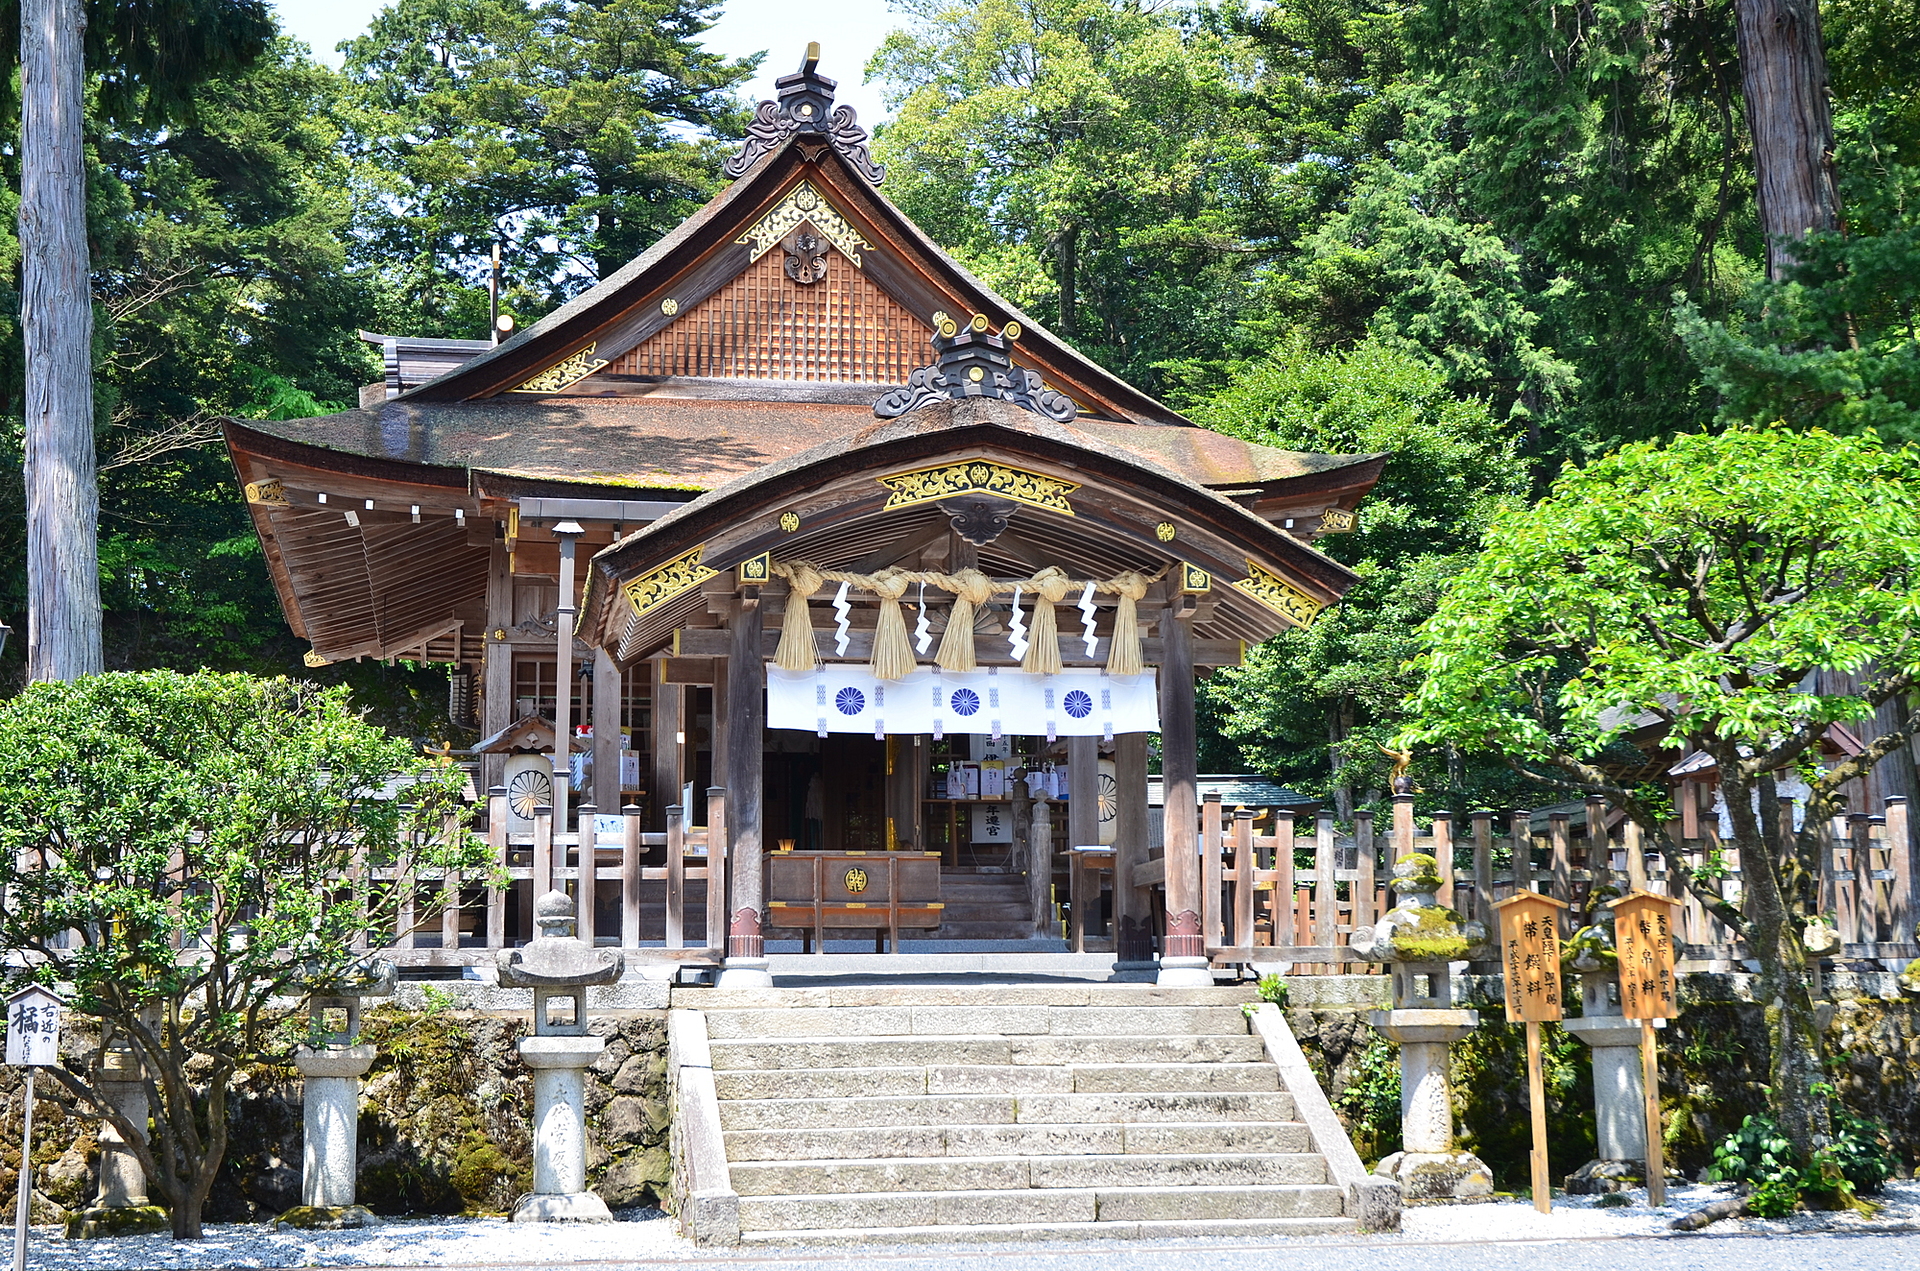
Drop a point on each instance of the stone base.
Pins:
(1185, 973)
(745, 973)
(326, 1218)
(125, 1220)
(1134, 973)
(1438, 1176)
(1596, 1178)
(574, 1207)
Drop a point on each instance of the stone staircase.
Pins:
(939, 1113)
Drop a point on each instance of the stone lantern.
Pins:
(332, 1063)
(1419, 939)
(121, 1207)
(1619, 1091)
(559, 968)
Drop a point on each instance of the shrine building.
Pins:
(794, 509)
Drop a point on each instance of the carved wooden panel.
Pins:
(764, 325)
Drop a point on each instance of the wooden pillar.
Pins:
(745, 710)
(608, 687)
(1183, 956)
(1132, 906)
(496, 667)
(1083, 830)
(669, 750)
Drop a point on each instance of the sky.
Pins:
(848, 31)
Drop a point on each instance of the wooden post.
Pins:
(631, 821)
(717, 870)
(1559, 837)
(1040, 865)
(586, 881)
(1900, 863)
(569, 534)
(1643, 925)
(542, 852)
(745, 707)
(1520, 830)
(1132, 906)
(1283, 899)
(1537, 1107)
(1083, 830)
(1365, 866)
(1599, 846)
(609, 687)
(1443, 856)
(1402, 827)
(1650, 1084)
(1211, 850)
(56, 310)
(1530, 960)
(1483, 867)
(1243, 884)
(669, 722)
(1636, 856)
(496, 660)
(1326, 898)
(1183, 952)
(677, 877)
(497, 849)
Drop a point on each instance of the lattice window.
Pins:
(763, 325)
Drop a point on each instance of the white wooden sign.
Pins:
(33, 1028)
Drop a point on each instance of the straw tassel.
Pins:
(1123, 654)
(797, 651)
(956, 646)
(1050, 586)
(892, 648)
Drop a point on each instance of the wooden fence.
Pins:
(1262, 904)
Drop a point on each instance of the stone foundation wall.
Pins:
(445, 1121)
(1713, 1070)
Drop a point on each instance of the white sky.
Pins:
(848, 30)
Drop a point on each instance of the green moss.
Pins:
(132, 1220)
(1432, 936)
(483, 1174)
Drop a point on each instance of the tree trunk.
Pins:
(1339, 724)
(1783, 76)
(1069, 242)
(1773, 938)
(56, 305)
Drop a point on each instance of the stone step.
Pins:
(999, 1173)
(869, 1142)
(1038, 1205)
(1060, 993)
(962, 1049)
(1023, 1232)
(1010, 1021)
(829, 1083)
(1001, 1109)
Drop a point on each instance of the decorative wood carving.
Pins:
(803, 107)
(974, 363)
(651, 590)
(806, 257)
(980, 518)
(804, 205)
(1279, 595)
(938, 484)
(563, 373)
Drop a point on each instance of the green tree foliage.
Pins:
(1316, 707)
(178, 852)
(1085, 156)
(575, 131)
(1694, 587)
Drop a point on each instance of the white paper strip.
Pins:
(1086, 618)
(841, 609)
(1017, 630)
(921, 628)
(1078, 702)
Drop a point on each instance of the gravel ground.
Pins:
(1505, 1230)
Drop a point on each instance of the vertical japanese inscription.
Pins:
(1643, 942)
(1530, 956)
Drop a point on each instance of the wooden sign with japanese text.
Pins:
(33, 1028)
(1530, 955)
(1643, 942)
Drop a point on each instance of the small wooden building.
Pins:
(796, 393)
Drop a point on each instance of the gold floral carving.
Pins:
(807, 205)
(927, 485)
(1194, 581)
(1336, 521)
(1279, 595)
(561, 374)
(269, 493)
(754, 569)
(651, 590)
(312, 658)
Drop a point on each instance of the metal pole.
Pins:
(569, 532)
(25, 1180)
(493, 297)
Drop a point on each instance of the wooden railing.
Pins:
(1262, 904)
(446, 920)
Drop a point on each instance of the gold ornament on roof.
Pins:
(568, 371)
(655, 588)
(1279, 595)
(805, 205)
(269, 493)
(312, 658)
(1336, 521)
(669, 306)
(1165, 531)
(790, 521)
(928, 485)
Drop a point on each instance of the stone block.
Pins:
(831, 1113)
(814, 1021)
(820, 1083)
(1189, 1204)
(1218, 1136)
(635, 1177)
(1141, 1170)
(959, 1173)
(1134, 1021)
(1176, 1049)
(836, 1144)
(1247, 1106)
(998, 1079)
(851, 1052)
(1004, 1020)
(1438, 1176)
(1033, 1140)
(1144, 1078)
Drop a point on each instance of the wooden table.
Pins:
(878, 891)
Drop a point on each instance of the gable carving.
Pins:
(765, 324)
(804, 205)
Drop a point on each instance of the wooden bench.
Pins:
(878, 891)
